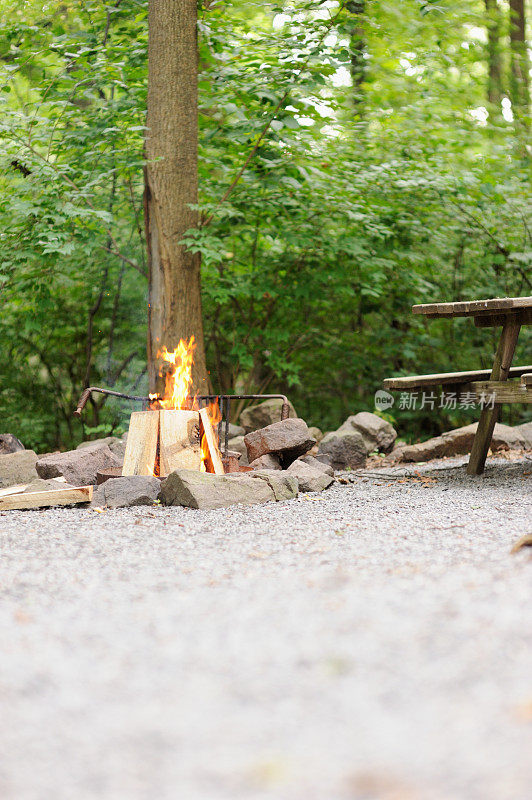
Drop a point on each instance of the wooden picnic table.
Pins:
(509, 313)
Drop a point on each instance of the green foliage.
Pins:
(351, 206)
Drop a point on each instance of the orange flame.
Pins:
(177, 393)
(178, 378)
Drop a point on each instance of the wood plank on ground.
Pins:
(180, 445)
(214, 461)
(53, 497)
(141, 447)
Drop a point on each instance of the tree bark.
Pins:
(493, 24)
(519, 78)
(171, 185)
(357, 48)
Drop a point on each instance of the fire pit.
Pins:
(179, 430)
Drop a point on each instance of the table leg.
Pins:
(489, 416)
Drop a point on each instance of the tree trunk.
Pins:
(357, 48)
(493, 24)
(519, 79)
(171, 184)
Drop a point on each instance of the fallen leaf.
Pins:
(524, 541)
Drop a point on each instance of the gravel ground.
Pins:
(370, 642)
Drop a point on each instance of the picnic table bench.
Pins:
(509, 313)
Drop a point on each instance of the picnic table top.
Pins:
(473, 308)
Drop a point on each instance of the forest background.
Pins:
(386, 159)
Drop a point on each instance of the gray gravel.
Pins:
(370, 642)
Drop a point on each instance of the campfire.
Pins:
(174, 433)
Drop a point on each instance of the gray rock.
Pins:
(460, 440)
(309, 478)
(78, 467)
(283, 485)
(10, 444)
(205, 491)
(322, 465)
(376, 432)
(316, 433)
(288, 439)
(130, 490)
(116, 446)
(17, 468)
(40, 485)
(345, 449)
(234, 430)
(268, 461)
(524, 432)
(238, 445)
(263, 414)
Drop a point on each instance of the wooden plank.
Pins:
(214, 461)
(503, 391)
(141, 447)
(497, 320)
(180, 444)
(19, 487)
(488, 417)
(472, 307)
(444, 378)
(53, 497)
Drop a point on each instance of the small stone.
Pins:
(116, 446)
(203, 490)
(129, 490)
(288, 439)
(40, 485)
(268, 461)
(283, 485)
(320, 464)
(238, 445)
(234, 430)
(78, 467)
(309, 478)
(346, 449)
(316, 433)
(10, 444)
(263, 414)
(18, 467)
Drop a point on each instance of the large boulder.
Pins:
(288, 439)
(345, 449)
(130, 490)
(10, 444)
(78, 467)
(376, 432)
(309, 477)
(205, 491)
(116, 446)
(459, 441)
(263, 414)
(17, 468)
